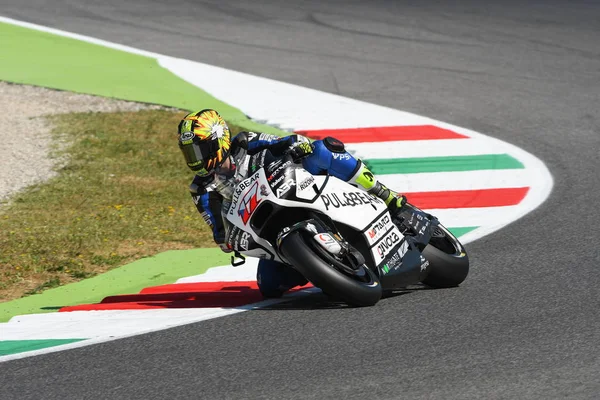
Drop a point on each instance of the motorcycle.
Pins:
(342, 239)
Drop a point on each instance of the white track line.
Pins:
(426, 148)
(246, 272)
(290, 106)
(104, 323)
(461, 180)
(459, 217)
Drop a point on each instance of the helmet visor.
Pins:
(199, 153)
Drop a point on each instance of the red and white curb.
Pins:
(217, 293)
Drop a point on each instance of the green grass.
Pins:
(122, 195)
(63, 63)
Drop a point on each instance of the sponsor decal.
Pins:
(424, 263)
(244, 241)
(403, 249)
(379, 228)
(387, 243)
(206, 217)
(385, 246)
(249, 203)
(341, 156)
(285, 187)
(306, 183)
(186, 137)
(232, 237)
(277, 181)
(349, 199)
(263, 191)
(395, 261)
(193, 164)
(252, 135)
(273, 165)
(420, 225)
(324, 238)
(238, 239)
(282, 166)
(328, 243)
(240, 188)
(369, 176)
(392, 264)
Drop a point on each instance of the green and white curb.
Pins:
(469, 164)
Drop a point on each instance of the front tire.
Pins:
(448, 260)
(314, 265)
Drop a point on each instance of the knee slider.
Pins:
(334, 145)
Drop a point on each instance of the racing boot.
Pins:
(366, 180)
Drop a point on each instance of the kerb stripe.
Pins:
(383, 166)
(468, 198)
(385, 133)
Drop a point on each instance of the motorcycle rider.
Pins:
(220, 163)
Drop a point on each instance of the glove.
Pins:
(300, 150)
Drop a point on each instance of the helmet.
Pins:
(204, 140)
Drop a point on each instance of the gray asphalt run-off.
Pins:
(524, 325)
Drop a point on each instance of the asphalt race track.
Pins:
(526, 323)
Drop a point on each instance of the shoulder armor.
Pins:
(240, 141)
(334, 145)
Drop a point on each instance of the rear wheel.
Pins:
(448, 260)
(356, 287)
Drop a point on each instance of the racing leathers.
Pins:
(249, 150)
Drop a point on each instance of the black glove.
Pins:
(300, 150)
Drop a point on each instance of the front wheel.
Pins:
(448, 260)
(362, 289)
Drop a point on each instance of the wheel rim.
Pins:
(360, 275)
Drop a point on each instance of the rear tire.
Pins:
(299, 253)
(448, 260)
